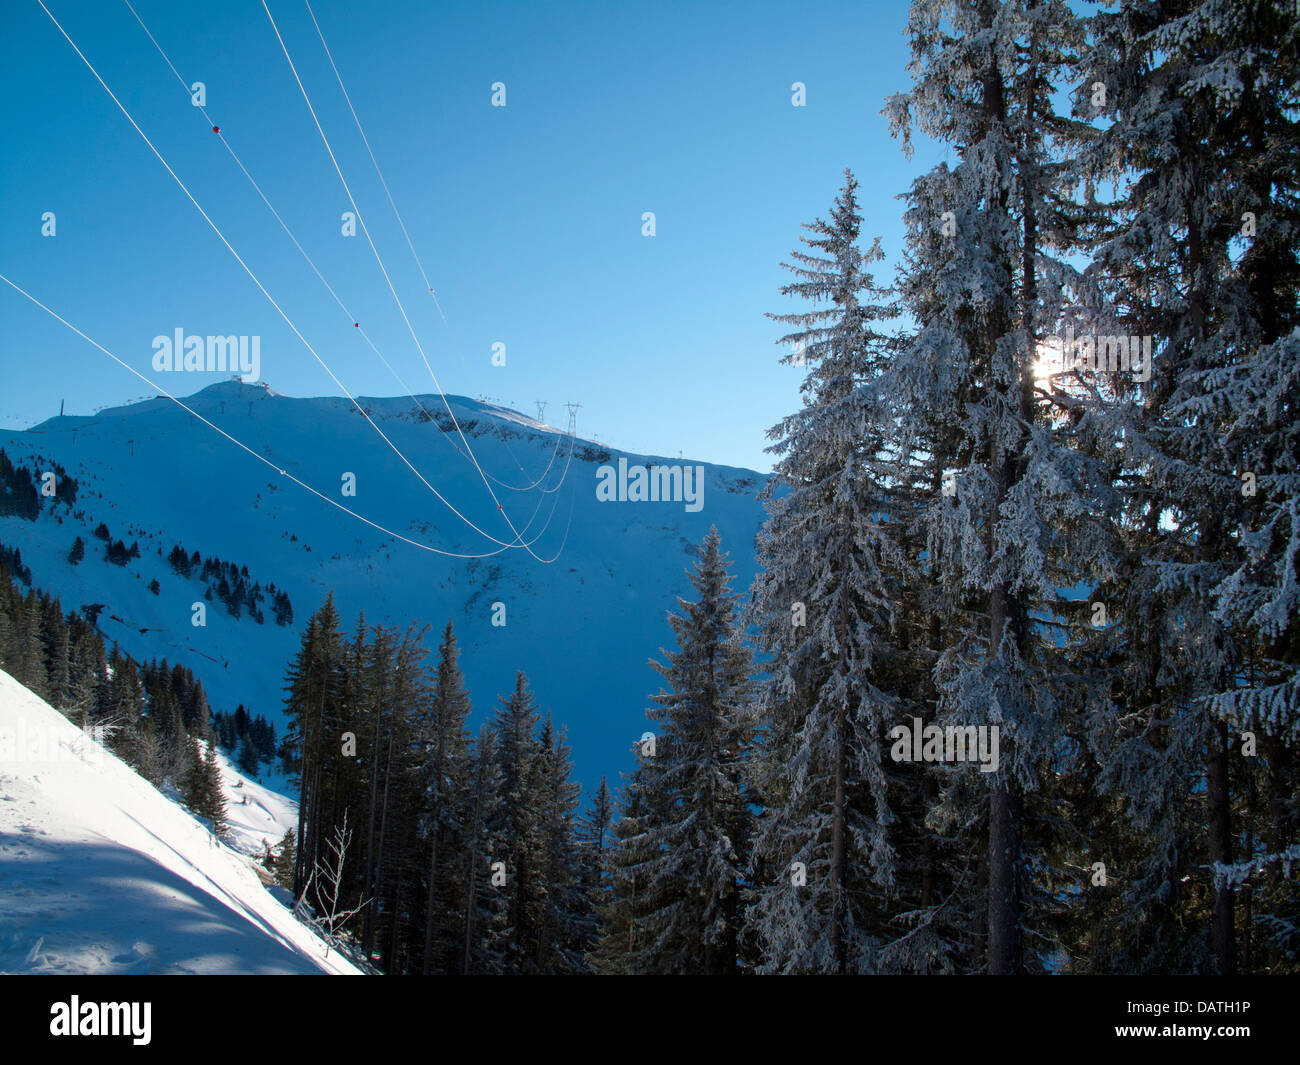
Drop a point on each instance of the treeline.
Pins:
(154, 716)
(21, 494)
(250, 740)
(461, 853)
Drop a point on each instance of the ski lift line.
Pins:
(244, 447)
(303, 252)
(271, 299)
(397, 299)
(375, 163)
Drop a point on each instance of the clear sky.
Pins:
(528, 217)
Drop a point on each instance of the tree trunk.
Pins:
(1223, 935)
(839, 949)
(1004, 883)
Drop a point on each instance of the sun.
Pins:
(1049, 361)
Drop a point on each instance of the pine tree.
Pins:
(566, 920)
(624, 947)
(313, 700)
(594, 840)
(519, 758)
(213, 794)
(445, 809)
(684, 839)
(824, 606)
(485, 914)
(1198, 248)
(283, 860)
(1025, 509)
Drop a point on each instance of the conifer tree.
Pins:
(824, 607)
(1198, 248)
(624, 948)
(445, 810)
(689, 846)
(1024, 511)
(520, 828)
(313, 703)
(594, 840)
(486, 906)
(566, 921)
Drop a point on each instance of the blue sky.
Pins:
(527, 218)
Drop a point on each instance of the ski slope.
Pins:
(100, 873)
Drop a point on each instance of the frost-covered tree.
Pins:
(566, 920)
(824, 607)
(622, 948)
(680, 844)
(1020, 516)
(447, 771)
(485, 914)
(521, 827)
(1197, 247)
(698, 842)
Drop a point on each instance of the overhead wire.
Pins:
(316, 270)
(216, 229)
(262, 458)
(388, 280)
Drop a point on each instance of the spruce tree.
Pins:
(824, 605)
(445, 809)
(1024, 508)
(1198, 248)
(520, 826)
(692, 842)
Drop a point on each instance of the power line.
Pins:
(388, 280)
(261, 458)
(216, 229)
(365, 140)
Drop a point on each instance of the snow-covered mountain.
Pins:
(582, 626)
(102, 873)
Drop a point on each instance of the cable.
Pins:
(396, 298)
(365, 140)
(328, 287)
(271, 299)
(244, 447)
(398, 215)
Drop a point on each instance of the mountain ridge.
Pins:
(582, 627)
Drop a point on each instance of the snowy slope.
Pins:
(255, 813)
(582, 628)
(101, 873)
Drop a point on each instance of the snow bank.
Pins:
(101, 873)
